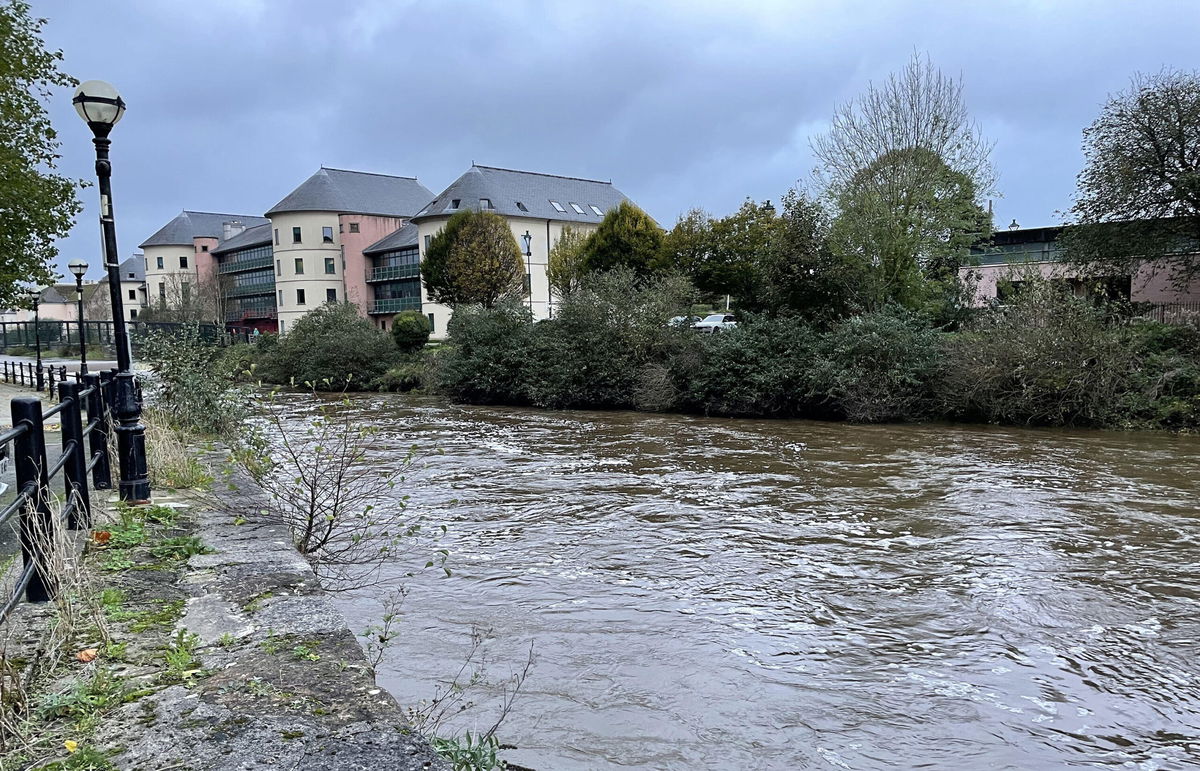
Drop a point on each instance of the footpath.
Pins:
(214, 647)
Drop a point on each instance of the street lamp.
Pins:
(35, 296)
(527, 238)
(78, 268)
(99, 104)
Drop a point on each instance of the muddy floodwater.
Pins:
(741, 594)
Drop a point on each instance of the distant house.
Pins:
(1018, 254)
(537, 208)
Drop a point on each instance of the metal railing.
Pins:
(395, 305)
(1180, 314)
(233, 266)
(40, 377)
(32, 505)
(391, 272)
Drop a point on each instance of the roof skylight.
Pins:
(578, 209)
(596, 209)
(558, 207)
(521, 206)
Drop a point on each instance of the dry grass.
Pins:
(171, 460)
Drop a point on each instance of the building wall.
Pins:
(1152, 283)
(371, 228)
(206, 264)
(544, 234)
(170, 275)
(313, 251)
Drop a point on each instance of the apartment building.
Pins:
(178, 256)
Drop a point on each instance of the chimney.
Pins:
(231, 229)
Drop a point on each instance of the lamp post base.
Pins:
(134, 486)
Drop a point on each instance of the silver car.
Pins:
(716, 322)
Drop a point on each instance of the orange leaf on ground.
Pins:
(101, 536)
(87, 654)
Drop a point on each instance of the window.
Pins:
(281, 326)
(183, 260)
(132, 294)
(454, 204)
(431, 326)
(131, 275)
(596, 209)
(185, 291)
(132, 314)
(485, 203)
(277, 236)
(521, 206)
(330, 295)
(145, 264)
(281, 303)
(204, 247)
(158, 262)
(353, 227)
(299, 266)
(578, 209)
(278, 268)
(327, 235)
(300, 297)
(295, 235)
(558, 207)
(330, 268)
(162, 291)
(427, 240)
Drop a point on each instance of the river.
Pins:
(744, 594)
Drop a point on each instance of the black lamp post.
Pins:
(527, 238)
(78, 268)
(35, 297)
(99, 104)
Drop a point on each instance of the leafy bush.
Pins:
(486, 356)
(762, 368)
(410, 330)
(328, 347)
(192, 384)
(1047, 358)
(411, 375)
(878, 366)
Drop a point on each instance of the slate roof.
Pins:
(356, 192)
(190, 224)
(259, 235)
(508, 190)
(405, 236)
(65, 293)
(135, 265)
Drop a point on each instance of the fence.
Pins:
(1172, 313)
(32, 505)
(40, 377)
(27, 334)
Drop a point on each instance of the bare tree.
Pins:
(182, 299)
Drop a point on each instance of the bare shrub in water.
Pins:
(313, 461)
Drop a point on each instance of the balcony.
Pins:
(245, 314)
(250, 290)
(236, 266)
(395, 305)
(393, 272)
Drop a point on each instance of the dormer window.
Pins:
(596, 209)
(558, 207)
(485, 203)
(454, 204)
(521, 206)
(578, 209)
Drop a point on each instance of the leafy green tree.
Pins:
(1138, 195)
(905, 169)
(626, 238)
(474, 260)
(36, 205)
(910, 220)
(565, 267)
(721, 255)
(410, 330)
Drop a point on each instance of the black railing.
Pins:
(54, 334)
(1171, 313)
(33, 504)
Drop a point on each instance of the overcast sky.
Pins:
(233, 103)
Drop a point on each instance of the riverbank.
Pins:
(196, 638)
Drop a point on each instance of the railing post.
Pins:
(98, 438)
(37, 523)
(75, 472)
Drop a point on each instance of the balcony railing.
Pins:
(250, 290)
(392, 272)
(234, 266)
(395, 305)
(252, 313)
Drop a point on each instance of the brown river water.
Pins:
(743, 594)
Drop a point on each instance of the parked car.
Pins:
(717, 322)
(682, 321)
